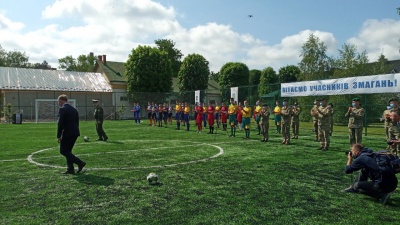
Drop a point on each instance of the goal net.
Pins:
(46, 110)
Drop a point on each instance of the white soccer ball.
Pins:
(152, 178)
(86, 138)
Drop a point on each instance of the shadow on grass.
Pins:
(90, 179)
(115, 142)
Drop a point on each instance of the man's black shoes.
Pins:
(106, 138)
(80, 166)
(69, 172)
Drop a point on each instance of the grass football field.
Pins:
(204, 179)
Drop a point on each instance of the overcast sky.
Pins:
(220, 30)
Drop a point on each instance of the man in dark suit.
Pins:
(67, 133)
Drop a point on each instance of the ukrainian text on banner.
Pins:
(388, 83)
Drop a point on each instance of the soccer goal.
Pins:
(46, 110)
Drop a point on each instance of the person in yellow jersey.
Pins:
(277, 116)
(216, 114)
(232, 110)
(186, 112)
(257, 109)
(177, 115)
(246, 113)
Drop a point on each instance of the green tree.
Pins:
(314, 60)
(268, 81)
(67, 63)
(214, 76)
(233, 74)
(288, 74)
(381, 66)
(84, 63)
(44, 65)
(173, 53)
(3, 56)
(350, 63)
(254, 77)
(148, 69)
(194, 74)
(13, 58)
(314, 65)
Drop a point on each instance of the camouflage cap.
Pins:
(356, 99)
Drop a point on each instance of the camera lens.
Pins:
(347, 152)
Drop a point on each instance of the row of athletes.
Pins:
(236, 115)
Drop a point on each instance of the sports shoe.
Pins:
(69, 172)
(350, 190)
(80, 166)
(384, 198)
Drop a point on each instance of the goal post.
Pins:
(46, 110)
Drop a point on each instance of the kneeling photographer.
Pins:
(371, 180)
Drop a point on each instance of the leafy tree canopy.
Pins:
(84, 63)
(233, 74)
(148, 69)
(173, 53)
(254, 77)
(288, 74)
(194, 73)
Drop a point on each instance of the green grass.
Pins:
(251, 183)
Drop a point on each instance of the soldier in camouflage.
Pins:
(99, 117)
(355, 114)
(324, 112)
(286, 113)
(393, 124)
(295, 120)
(264, 117)
(386, 121)
(314, 114)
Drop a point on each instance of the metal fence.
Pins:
(118, 105)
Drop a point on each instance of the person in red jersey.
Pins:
(239, 115)
(224, 116)
(199, 117)
(210, 112)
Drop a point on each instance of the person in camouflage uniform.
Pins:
(99, 117)
(324, 112)
(264, 122)
(295, 120)
(355, 114)
(393, 124)
(386, 121)
(314, 114)
(331, 131)
(286, 113)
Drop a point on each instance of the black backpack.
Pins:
(386, 161)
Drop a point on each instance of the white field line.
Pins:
(221, 151)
